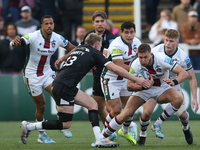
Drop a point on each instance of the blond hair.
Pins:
(168, 13)
(172, 33)
(92, 38)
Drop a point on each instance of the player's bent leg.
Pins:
(184, 118)
(101, 107)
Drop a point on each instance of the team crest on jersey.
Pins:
(53, 43)
(158, 69)
(26, 36)
(134, 49)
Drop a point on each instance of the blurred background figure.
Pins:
(110, 26)
(165, 22)
(190, 32)
(80, 34)
(180, 12)
(27, 24)
(162, 34)
(12, 60)
(2, 29)
(72, 16)
(151, 12)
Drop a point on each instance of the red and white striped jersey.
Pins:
(40, 51)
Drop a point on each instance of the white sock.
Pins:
(97, 133)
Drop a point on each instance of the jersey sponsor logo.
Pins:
(63, 39)
(117, 51)
(26, 36)
(168, 60)
(131, 70)
(188, 62)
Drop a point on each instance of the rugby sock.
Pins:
(52, 125)
(34, 126)
(94, 120)
(112, 127)
(126, 125)
(169, 110)
(143, 126)
(109, 117)
(41, 131)
(185, 125)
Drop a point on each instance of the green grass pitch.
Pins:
(83, 137)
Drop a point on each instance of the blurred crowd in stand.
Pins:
(20, 17)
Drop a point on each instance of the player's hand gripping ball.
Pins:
(143, 73)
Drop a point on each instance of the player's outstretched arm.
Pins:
(123, 73)
(70, 48)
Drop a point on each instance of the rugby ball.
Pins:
(143, 73)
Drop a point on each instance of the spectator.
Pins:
(72, 16)
(151, 12)
(5, 10)
(162, 33)
(111, 28)
(80, 34)
(15, 10)
(191, 35)
(11, 59)
(45, 7)
(177, 2)
(2, 30)
(27, 24)
(165, 22)
(180, 12)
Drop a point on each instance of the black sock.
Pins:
(93, 117)
(52, 125)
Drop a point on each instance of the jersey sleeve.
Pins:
(29, 38)
(115, 52)
(134, 67)
(63, 42)
(187, 64)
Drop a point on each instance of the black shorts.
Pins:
(97, 91)
(64, 95)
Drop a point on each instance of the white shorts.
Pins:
(183, 107)
(154, 92)
(114, 89)
(36, 85)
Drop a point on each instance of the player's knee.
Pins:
(178, 100)
(146, 114)
(116, 111)
(66, 119)
(183, 115)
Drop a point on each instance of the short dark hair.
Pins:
(99, 13)
(46, 16)
(127, 25)
(144, 48)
